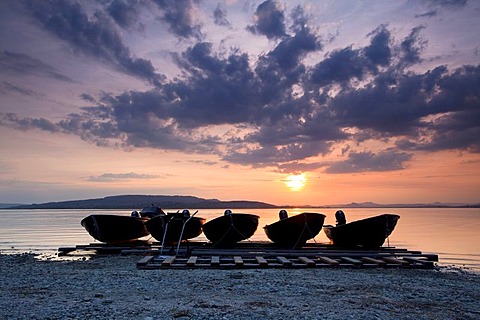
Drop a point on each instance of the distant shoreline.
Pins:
(122, 202)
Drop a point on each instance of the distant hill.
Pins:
(9, 205)
(191, 202)
(140, 201)
(399, 205)
(410, 205)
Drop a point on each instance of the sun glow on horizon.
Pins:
(296, 182)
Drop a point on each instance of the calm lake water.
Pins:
(453, 234)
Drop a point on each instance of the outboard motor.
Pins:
(135, 214)
(340, 216)
(227, 212)
(283, 214)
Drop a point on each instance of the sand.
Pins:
(111, 287)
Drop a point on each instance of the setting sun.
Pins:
(296, 182)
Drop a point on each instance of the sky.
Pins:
(285, 102)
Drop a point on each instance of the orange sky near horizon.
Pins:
(71, 164)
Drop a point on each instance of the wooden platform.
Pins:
(260, 255)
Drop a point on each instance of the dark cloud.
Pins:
(379, 52)
(281, 112)
(270, 20)
(178, 15)
(388, 160)
(412, 46)
(22, 64)
(457, 109)
(428, 14)
(299, 19)
(93, 35)
(25, 124)
(220, 16)
(126, 13)
(343, 65)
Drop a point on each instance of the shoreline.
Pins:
(111, 287)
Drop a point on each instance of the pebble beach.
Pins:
(112, 287)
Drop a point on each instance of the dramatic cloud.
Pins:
(270, 20)
(220, 16)
(93, 35)
(283, 108)
(179, 16)
(125, 12)
(368, 161)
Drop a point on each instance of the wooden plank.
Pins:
(215, 261)
(284, 261)
(308, 262)
(238, 261)
(373, 260)
(192, 261)
(168, 261)
(418, 260)
(395, 260)
(351, 260)
(261, 261)
(144, 261)
(329, 260)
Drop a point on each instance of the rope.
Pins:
(305, 226)
(232, 226)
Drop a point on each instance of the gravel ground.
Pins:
(111, 287)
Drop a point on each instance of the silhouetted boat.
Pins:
(368, 233)
(295, 231)
(230, 228)
(118, 229)
(115, 229)
(168, 228)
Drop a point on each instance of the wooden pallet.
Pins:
(272, 257)
(245, 262)
(258, 255)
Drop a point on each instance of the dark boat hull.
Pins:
(157, 226)
(230, 229)
(295, 231)
(115, 229)
(366, 233)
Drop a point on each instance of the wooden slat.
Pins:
(418, 260)
(261, 261)
(308, 262)
(168, 261)
(192, 261)
(238, 261)
(284, 261)
(373, 260)
(395, 260)
(215, 261)
(329, 261)
(351, 260)
(144, 261)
